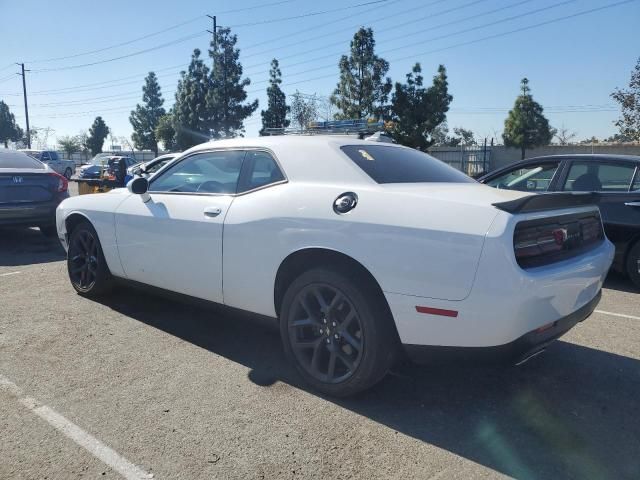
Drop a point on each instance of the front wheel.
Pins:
(87, 268)
(633, 264)
(337, 332)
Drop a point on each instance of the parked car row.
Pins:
(358, 250)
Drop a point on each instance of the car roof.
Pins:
(296, 152)
(586, 157)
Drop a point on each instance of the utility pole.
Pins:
(26, 107)
(215, 39)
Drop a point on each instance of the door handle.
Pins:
(212, 211)
(632, 204)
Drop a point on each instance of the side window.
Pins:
(54, 156)
(636, 183)
(261, 170)
(599, 177)
(532, 178)
(207, 172)
(44, 157)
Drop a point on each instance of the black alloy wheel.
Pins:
(83, 258)
(325, 333)
(87, 268)
(337, 330)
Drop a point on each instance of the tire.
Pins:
(49, 231)
(68, 173)
(633, 264)
(86, 266)
(344, 343)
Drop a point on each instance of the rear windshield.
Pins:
(387, 164)
(18, 160)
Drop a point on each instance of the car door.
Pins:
(619, 201)
(174, 240)
(534, 177)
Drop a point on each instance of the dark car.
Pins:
(615, 177)
(29, 192)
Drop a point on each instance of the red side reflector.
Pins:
(437, 311)
(546, 327)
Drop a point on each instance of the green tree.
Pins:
(629, 100)
(227, 94)
(275, 116)
(304, 109)
(69, 145)
(9, 130)
(526, 126)
(362, 91)
(416, 111)
(190, 112)
(97, 134)
(166, 133)
(144, 119)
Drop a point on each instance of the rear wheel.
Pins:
(68, 173)
(337, 332)
(86, 265)
(633, 264)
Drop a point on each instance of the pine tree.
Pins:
(190, 113)
(144, 119)
(526, 126)
(275, 116)
(97, 134)
(417, 112)
(362, 91)
(9, 130)
(226, 96)
(165, 132)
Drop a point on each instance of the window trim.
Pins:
(635, 178)
(617, 163)
(177, 161)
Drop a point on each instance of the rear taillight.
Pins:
(544, 241)
(62, 183)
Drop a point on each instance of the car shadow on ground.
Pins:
(28, 246)
(572, 412)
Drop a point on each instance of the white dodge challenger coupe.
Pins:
(359, 249)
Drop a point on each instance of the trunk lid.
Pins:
(26, 186)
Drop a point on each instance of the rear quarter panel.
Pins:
(411, 246)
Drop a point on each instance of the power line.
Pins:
(306, 15)
(471, 42)
(140, 52)
(264, 5)
(405, 35)
(116, 45)
(325, 45)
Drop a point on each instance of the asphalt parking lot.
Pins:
(139, 385)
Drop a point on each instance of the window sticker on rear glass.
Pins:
(366, 155)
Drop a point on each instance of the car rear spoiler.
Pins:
(548, 201)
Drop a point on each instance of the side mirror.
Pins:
(139, 186)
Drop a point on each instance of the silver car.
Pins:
(53, 160)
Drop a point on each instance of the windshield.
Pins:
(99, 159)
(388, 164)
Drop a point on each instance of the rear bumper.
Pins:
(30, 214)
(516, 351)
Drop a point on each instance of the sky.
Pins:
(88, 59)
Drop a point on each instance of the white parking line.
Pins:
(631, 317)
(87, 441)
(9, 273)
